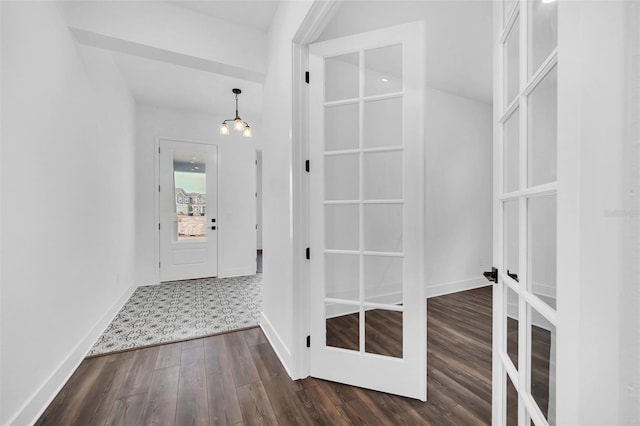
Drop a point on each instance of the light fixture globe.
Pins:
(238, 124)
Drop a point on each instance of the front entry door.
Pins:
(368, 307)
(188, 210)
(525, 316)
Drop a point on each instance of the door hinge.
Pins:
(158, 150)
(256, 226)
(491, 275)
(306, 77)
(308, 341)
(158, 188)
(158, 227)
(307, 166)
(308, 253)
(256, 195)
(159, 264)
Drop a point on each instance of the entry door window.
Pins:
(190, 186)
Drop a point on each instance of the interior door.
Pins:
(368, 307)
(525, 316)
(188, 210)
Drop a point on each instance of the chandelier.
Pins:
(238, 124)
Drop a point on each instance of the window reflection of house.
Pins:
(191, 203)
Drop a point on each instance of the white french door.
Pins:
(525, 316)
(188, 210)
(368, 307)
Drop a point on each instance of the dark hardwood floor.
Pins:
(236, 378)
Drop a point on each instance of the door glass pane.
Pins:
(383, 332)
(511, 324)
(543, 363)
(342, 326)
(383, 175)
(342, 77)
(511, 238)
(383, 70)
(341, 127)
(383, 227)
(542, 245)
(342, 276)
(341, 227)
(383, 123)
(511, 142)
(341, 177)
(512, 64)
(383, 279)
(543, 131)
(544, 32)
(189, 177)
(512, 404)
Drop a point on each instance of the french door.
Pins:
(368, 307)
(525, 212)
(188, 210)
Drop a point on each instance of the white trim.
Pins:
(455, 286)
(319, 15)
(237, 272)
(276, 342)
(35, 405)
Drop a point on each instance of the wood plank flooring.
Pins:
(237, 379)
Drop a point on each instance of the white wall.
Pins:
(277, 320)
(236, 187)
(458, 230)
(68, 203)
(598, 219)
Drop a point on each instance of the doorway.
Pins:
(188, 210)
(259, 211)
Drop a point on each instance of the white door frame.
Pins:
(318, 17)
(156, 194)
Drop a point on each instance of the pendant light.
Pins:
(238, 124)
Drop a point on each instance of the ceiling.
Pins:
(256, 14)
(172, 86)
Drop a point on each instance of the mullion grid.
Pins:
(527, 407)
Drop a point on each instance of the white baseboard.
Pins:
(33, 408)
(456, 286)
(238, 272)
(276, 342)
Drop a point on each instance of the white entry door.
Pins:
(368, 307)
(188, 210)
(525, 316)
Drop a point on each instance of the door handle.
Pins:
(514, 276)
(213, 228)
(491, 275)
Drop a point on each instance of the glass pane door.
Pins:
(368, 319)
(525, 316)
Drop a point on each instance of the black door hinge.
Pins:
(491, 275)
(306, 77)
(308, 253)
(308, 341)
(306, 166)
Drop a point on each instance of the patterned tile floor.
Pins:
(182, 310)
